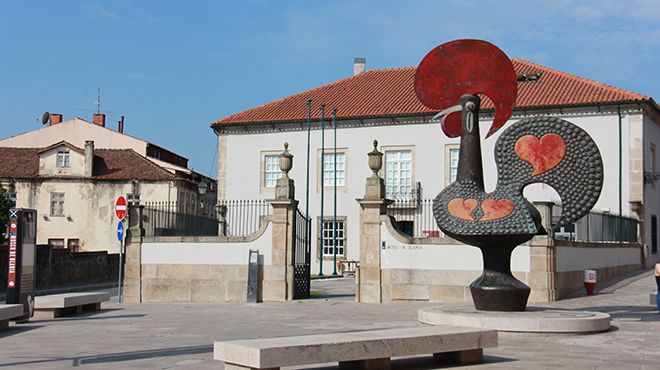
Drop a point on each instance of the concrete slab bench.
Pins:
(8, 312)
(652, 299)
(56, 305)
(358, 350)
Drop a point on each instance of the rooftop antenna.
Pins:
(97, 102)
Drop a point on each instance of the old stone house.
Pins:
(74, 190)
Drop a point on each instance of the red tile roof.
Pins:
(390, 92)
(109, 164)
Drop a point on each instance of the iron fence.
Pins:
(179, 219)
(242, 217)
(414, 217)
(600, 227)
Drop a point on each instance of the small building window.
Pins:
(57, 204)
(654, 234)
(272, 171)
(73, 245)
(63, 158)
(328, 237)
(398, 174)
(56, 243)
(329, 169)
(453, 164)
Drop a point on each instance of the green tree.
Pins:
(5, 204)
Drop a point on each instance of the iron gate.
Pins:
(301, 257)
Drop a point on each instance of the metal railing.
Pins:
(414, 217)
(242, 217)
(601, 227)
(179, 219)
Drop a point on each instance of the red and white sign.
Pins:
(11, 276)
(120, 207)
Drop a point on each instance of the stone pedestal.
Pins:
(278, 277)
(541, 278)
(132, 287)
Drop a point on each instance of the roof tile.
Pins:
(390, 92)
(109, 164)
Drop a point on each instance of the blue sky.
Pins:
(174, 67)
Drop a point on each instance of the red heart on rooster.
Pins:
(496, 209)
(462, 208)
(544, 154)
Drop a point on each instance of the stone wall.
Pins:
(61, 267)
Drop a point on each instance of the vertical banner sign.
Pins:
(11, 277)
(22, 260)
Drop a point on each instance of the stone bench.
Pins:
(56, 305)
(361, 349)
(8, 312)
(652, 299)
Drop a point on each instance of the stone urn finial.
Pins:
(286, 161)
(375, 160)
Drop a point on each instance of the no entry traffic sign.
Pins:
(120, 207)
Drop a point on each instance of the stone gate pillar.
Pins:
(278, 277)
(542, 275)
(372, 206)
(132, 287)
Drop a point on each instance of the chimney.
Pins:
(55, 119)
(121, 125)
(89, 158)
(99, 119)
(359, 65)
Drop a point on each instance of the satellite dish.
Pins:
(45, 118)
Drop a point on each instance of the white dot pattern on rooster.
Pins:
(577, 178)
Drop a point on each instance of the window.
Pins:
(272, 171)
(57, 204)
(653, 163)
(654, 234)
(453, 164)
(329, 169)
(328, 237)
(56, 243)
(63, 158)
(398, 173)
(73, 244)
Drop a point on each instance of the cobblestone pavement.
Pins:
(180, 336)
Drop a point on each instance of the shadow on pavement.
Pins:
(638, 313)
(139, 355)
(117, 357)
(18, 329)
(90, 316)
(423, 363)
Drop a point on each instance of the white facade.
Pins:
(242, 148)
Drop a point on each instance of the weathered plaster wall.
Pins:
(88, 209)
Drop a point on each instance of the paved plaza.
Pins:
(181, 336)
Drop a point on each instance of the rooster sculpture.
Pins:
(549, 150)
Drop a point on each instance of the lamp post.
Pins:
(322, 187)
(334, 218)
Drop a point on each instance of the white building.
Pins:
(419, 159)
